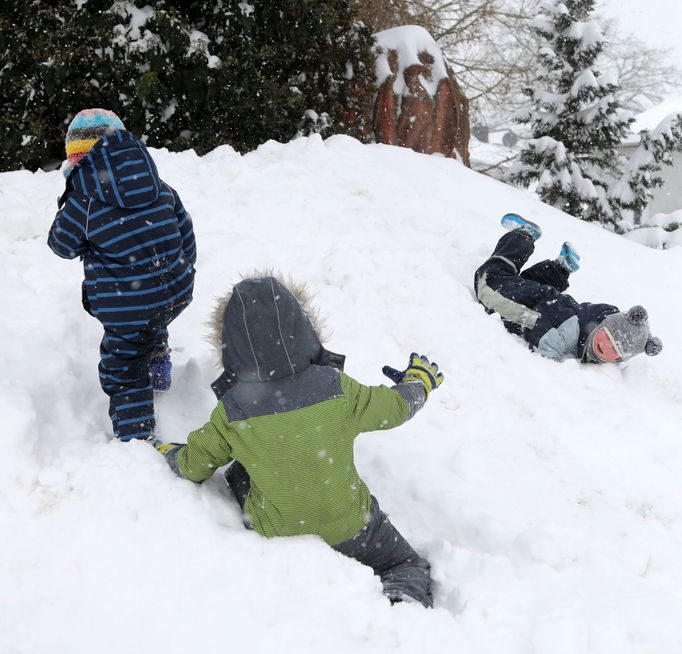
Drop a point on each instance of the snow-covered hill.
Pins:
(546, 496)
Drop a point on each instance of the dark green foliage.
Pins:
(40, 74)
(184, 74)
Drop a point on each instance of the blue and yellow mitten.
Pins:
(419, 369)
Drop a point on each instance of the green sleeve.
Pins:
(207, 448)
(374, 407)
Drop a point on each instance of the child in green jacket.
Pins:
(287, 418)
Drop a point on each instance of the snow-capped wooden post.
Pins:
(418, 104)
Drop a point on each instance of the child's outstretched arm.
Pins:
(68, 234)
(207, 449)
(380, 407)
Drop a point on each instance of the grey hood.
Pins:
(265, 334)
(271, 352)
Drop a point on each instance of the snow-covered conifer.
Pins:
(642, 172)
(574, 117)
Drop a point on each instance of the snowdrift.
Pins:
(546, 496)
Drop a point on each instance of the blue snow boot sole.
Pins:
(512, 221)
(569, 258)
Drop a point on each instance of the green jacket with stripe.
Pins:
(289, 415)
(303, 476)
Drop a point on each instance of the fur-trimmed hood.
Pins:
(266, 330)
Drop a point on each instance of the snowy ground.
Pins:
(546, 496)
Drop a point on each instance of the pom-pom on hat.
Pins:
(86, 128)
(653, 346)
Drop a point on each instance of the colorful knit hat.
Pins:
(87, 127)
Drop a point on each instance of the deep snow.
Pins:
(546, 496)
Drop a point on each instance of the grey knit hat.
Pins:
(630, 334)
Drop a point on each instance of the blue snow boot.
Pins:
(160, 371)
(512, 221)
(569, 258)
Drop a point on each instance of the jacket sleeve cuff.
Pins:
(414, 395)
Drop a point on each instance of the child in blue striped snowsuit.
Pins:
(137, 246)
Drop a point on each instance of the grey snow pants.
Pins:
(404, 574)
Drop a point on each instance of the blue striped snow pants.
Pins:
(124, 373)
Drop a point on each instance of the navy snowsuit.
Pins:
(532, 303)
(137, 245)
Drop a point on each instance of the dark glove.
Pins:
(419, 369)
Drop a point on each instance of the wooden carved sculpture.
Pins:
(418, 104)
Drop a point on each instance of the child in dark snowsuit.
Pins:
(137, 245)
(532, 303)
(287, 418)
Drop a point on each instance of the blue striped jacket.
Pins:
(131, 231)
